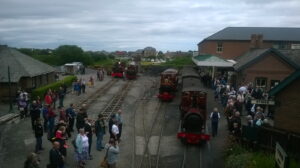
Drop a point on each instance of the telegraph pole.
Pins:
(9, 90)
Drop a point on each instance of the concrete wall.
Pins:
(287, 114)
(231, 49)
(271, 67)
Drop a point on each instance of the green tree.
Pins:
(70, 53)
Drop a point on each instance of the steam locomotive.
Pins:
(168, 84)
(192, 108)
(118, 69)
(131, 71)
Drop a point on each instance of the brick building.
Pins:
(25, 72)
(232, 42)
(286, 94)
(265, 68)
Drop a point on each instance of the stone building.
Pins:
(149, 51)
(25, 72)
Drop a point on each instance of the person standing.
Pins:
(39, 132)
(61, 96)
(55, 157)
(112, 153)
(89, 132)
(119, 122)
(82, 147)
(100, 131)
(115, 130)
(83, 86)
(32, 161)
(34, 113)
(80, 119)
(111, 123)
(51, 120)
(70, 113)
(215, 117)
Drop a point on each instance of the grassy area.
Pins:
(106, 63)
(179, 62)
(240, 157)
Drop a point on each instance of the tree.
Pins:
(70, 53)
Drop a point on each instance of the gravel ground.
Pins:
(18, 140)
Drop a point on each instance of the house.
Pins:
(233, 42)
(25, 72)
(265, 68)
(286, 95)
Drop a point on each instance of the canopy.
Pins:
(212, 60)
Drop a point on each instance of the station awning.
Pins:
(212, 61)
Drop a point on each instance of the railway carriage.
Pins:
(118, 70)
(168, 84)
(193, 109)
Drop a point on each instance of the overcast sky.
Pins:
(134, 24)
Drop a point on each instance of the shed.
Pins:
(25, 72)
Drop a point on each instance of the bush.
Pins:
(53, 86)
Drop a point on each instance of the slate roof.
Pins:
(293, 55)
(269, 33)
(20, 65)
(294, 76)
(255, 55)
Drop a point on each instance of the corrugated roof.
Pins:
(20, 65)
(269, 33)
(294, 76)
(254, 55)
(192, 84)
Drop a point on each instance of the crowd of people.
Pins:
(237, 103)
(59, 125)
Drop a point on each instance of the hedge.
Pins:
(53, 86)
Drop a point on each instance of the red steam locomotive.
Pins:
(192, 109)
(118, 69)
(168, 84)
(131, 71)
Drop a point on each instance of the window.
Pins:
(261, 82)
(219, 47)
(274, 83)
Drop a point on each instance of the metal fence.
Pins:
(266, 138)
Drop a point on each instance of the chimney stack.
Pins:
(256, 41)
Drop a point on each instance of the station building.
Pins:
(287, 103)
(26, 73)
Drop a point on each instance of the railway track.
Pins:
(191, 157)
(99, 92)
(155, 129)
(116, 101)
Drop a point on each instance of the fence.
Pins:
(266, 138)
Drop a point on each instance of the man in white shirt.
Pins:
(115, 130)
(215, 117)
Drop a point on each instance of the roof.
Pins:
(211, 60)
(255, 55)
(293, 55)
(269, 33)
(285, 83)
(169, 71)
(192, 84)
(189, 72)
(20, 65)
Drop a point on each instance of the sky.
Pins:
(128, 25)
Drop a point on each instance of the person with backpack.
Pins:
(215, 117)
